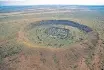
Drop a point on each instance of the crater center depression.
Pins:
(61, 33)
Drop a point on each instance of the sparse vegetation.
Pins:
(55, 59)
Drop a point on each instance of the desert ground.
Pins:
(26, 43)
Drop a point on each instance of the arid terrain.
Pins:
(52, 38)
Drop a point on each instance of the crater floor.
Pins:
(56, 33)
